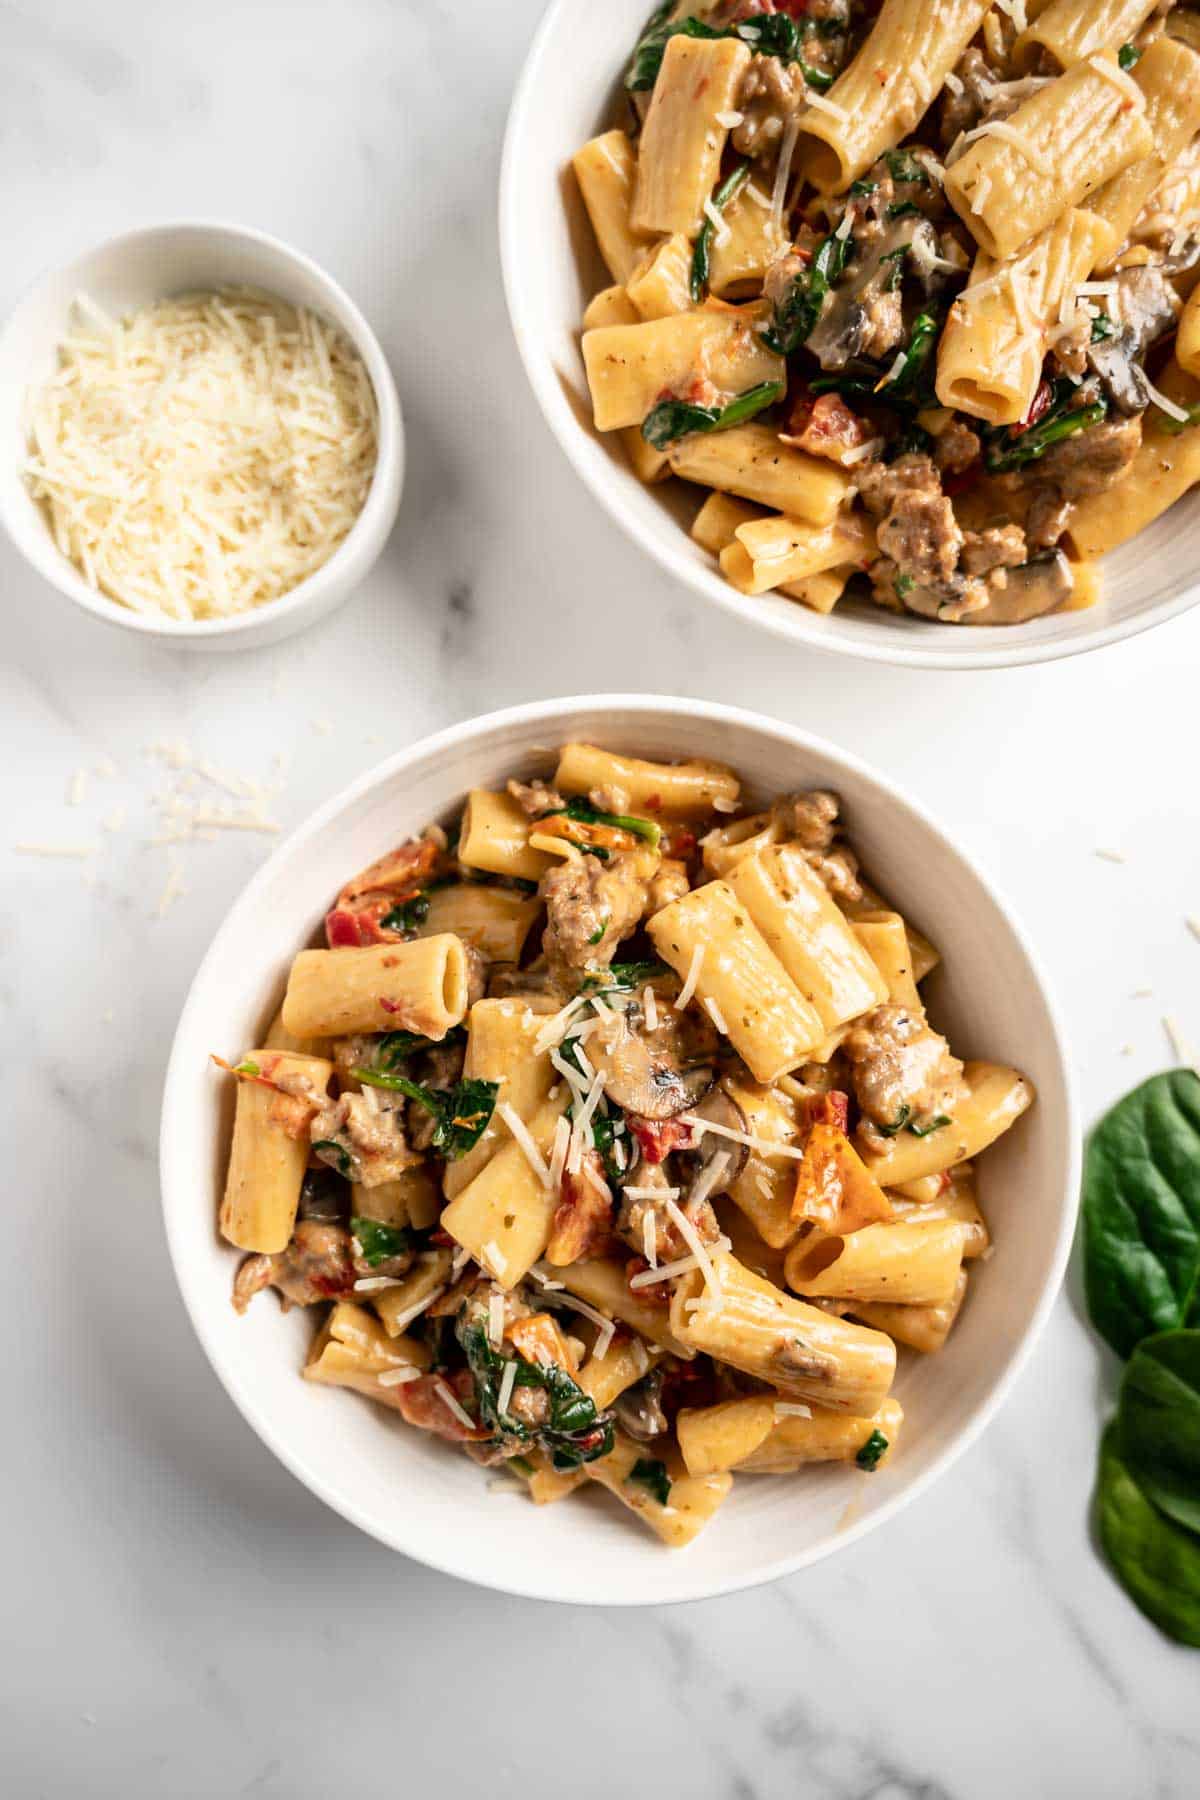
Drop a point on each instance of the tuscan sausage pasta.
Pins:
(609, 1136)
(908, 286)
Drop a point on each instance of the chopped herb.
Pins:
(1102, 327)
(1014, 447)
(869, 1456)
(642, 72)
(461, 1113)
(379, 1243)
(1128, 55)
(904, 168)
(574, 1432)
(935, 1124)
(898, 1123)
(797, 311)
(622, 976)
(246, 1067)
(326, 1148)
(1175, 426)
(914, 440)
(673, 419)
(599, 932)
(652, 1474)
(583, 814)
(859, 190)
(605, 1130)
(904, 209)
(407, 915)
(903, 584)
(907, 382)
(770, 35)
(727, 191)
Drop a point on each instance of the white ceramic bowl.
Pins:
(411, 1491)
(569, 90)
(129, 271)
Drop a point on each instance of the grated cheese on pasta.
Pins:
(1011, 134)
(1110, 68)
(204, 455)
(1164, 402)
(693, 975)
(528, 1148)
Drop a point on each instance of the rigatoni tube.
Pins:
(420, 986)
(269, 1153)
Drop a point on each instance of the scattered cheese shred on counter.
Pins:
(204, 455)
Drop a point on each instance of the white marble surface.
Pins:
(180, 1618)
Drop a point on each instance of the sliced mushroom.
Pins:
(655, 1073)
(1031, 589)
(714, 1166)
(639, 1409)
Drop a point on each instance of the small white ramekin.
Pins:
(129, 271)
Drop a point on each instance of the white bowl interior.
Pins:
(413, 1492)
(569, 91)
(130, 271)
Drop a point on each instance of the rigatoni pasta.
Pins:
(652, 1197)
(899, 287)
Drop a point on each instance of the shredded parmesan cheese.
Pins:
(862, 452)
(952, 84)
(1011, 134)
(980, 193)
(783, 169)
(1193, 924)
(529, 1149)
(494, 1255)
(714, 1013)
(650, 1239)
(1110, 68)
(792, 1409)
(398, 1377)
(405, 1319)
(507, 1381)
(730, 120)
(206, 454)
(375, 1284)
(650, 1007)
(446, 1395)
(765, 1146)
(1179, 1044)
(721, 231)
(1113, 856)
(1164, 402)
(822, 103)
(495, 1320)
(693, 976)
(695, 1244)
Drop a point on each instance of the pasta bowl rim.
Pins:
(354, 557)
(527, 247)
(183, 1190)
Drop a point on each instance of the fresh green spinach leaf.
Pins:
(651, 1473)
(585, 814)
(871, 1454)
(1158, 1423)
(898, 1123)
(378, 1242)
(701, 255)
(673, 419)
(1141, 1212)
(1156, 1561)
(461, 1113)
(1014, 447)
(573, 1432)
(1128, 56)
(621, 976)
(332, 1153)
(799, 307)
